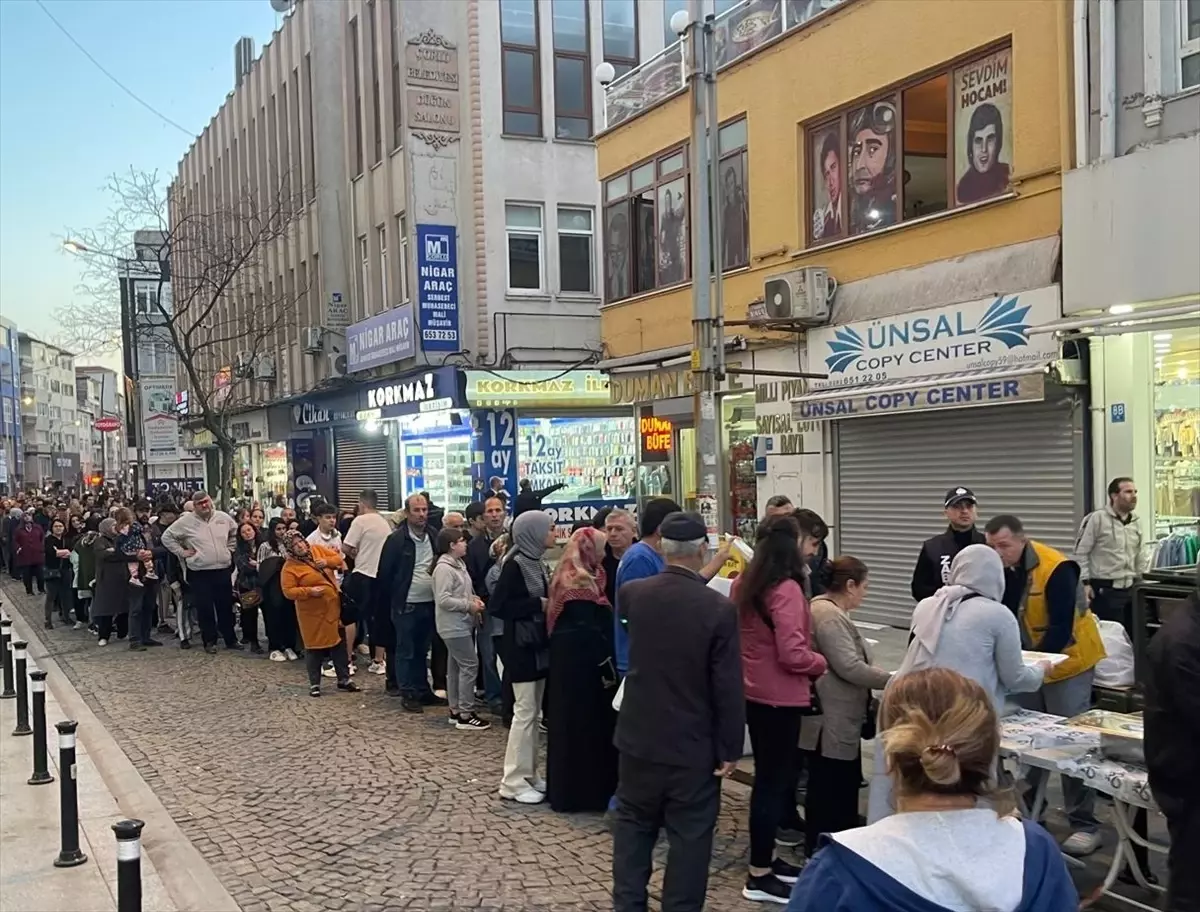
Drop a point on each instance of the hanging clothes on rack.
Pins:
(1179, 549)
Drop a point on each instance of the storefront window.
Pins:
(595, 458)
(436, 449)
(272, 476)
(738, 428)
(1176, 431)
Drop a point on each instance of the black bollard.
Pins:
(41, 767)
(22, 728)
(6, 649)
(129, 865)
(68, 798)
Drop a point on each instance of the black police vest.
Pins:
(941, 550)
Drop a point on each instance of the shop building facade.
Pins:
(1131, 276)
(926, 185)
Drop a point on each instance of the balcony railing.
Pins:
(739, 31)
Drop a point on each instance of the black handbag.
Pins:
(530, 633)
(870, 721)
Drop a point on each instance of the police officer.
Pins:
(933, 563)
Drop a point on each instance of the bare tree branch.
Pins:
(218, 307)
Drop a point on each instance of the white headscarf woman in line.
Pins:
(964, 626)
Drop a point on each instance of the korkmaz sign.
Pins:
(418, 389)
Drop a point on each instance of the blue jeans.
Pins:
(414, 633)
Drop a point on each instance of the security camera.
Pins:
(605, 73)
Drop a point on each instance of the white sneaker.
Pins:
(528, 796)
(327, 670)
(538, 784)
(79, 625)
(440, 694)
(363, 650)
(291, 655)
(377, 668)
(353, 669)
(102, 642)
(277, 656)
(1082, 843)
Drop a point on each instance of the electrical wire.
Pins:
(120, 85)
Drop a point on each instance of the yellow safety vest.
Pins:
(1085, 648)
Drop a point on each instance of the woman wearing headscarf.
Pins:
(110, 602)
(965, 627)
(278, 613)
(581, 761)
(520, 602)
(309, 578)
(83, 558)
(28, 552)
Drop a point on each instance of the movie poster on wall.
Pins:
(983, 127)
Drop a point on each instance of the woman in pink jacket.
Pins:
(778, 668)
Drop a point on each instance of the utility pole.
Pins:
(708, 348)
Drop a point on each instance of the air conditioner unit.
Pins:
(243, 364)
(264, 368)
(337, 364)
(800, 296)
(311, 338)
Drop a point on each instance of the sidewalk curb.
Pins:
(187, 877)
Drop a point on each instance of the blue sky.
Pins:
(65, 127)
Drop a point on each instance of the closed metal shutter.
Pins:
(894, 471)
(361, 463)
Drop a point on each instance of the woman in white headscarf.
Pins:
(965, 627)
(519, 600)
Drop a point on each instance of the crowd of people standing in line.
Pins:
(645, 678)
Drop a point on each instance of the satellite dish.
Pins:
(282, 6)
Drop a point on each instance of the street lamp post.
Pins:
(708, 317)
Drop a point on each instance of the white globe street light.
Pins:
(605, 73)
(680, 20)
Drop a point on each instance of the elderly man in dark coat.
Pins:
(681, 724)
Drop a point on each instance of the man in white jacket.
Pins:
(204, 540)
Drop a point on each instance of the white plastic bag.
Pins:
(620, 697)
(1115, 669)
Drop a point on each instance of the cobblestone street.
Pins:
(342, 802)
(347, 803)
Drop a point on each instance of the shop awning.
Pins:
(1176, 312)
(964, 389)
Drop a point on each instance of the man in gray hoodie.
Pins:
(204, 541)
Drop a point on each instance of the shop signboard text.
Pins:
(655, 435)
(537, 388)
(381, 339)
(990, 334)
(960, 394)
(494, 453)
(437, 287)
(160, 424)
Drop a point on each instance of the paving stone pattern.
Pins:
(343, 802)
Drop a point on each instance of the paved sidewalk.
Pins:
(30, 830)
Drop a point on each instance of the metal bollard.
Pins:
(68, 797)
(22, 728)
(129, 865)
(41, 766)
(6, 649)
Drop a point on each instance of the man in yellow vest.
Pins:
(1043, 588)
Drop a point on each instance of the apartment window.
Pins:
(376, 115)
(572, 70)
(383, 267)
(43, 410)
(620, 34)
(402, 239)
(646, 234)
(394, 45)
(523, 227)
(356, 79)
(310, 134)
(364, 276)
(575, 245)
(294, 163)
(1189, 44)
(923, 147)
(733, 202)
(520, 71)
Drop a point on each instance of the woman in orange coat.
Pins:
(308, 578)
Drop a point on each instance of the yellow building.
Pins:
(914, 150)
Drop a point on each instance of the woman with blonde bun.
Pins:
(945, 849)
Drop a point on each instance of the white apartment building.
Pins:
(100, 393)
(50, 424)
